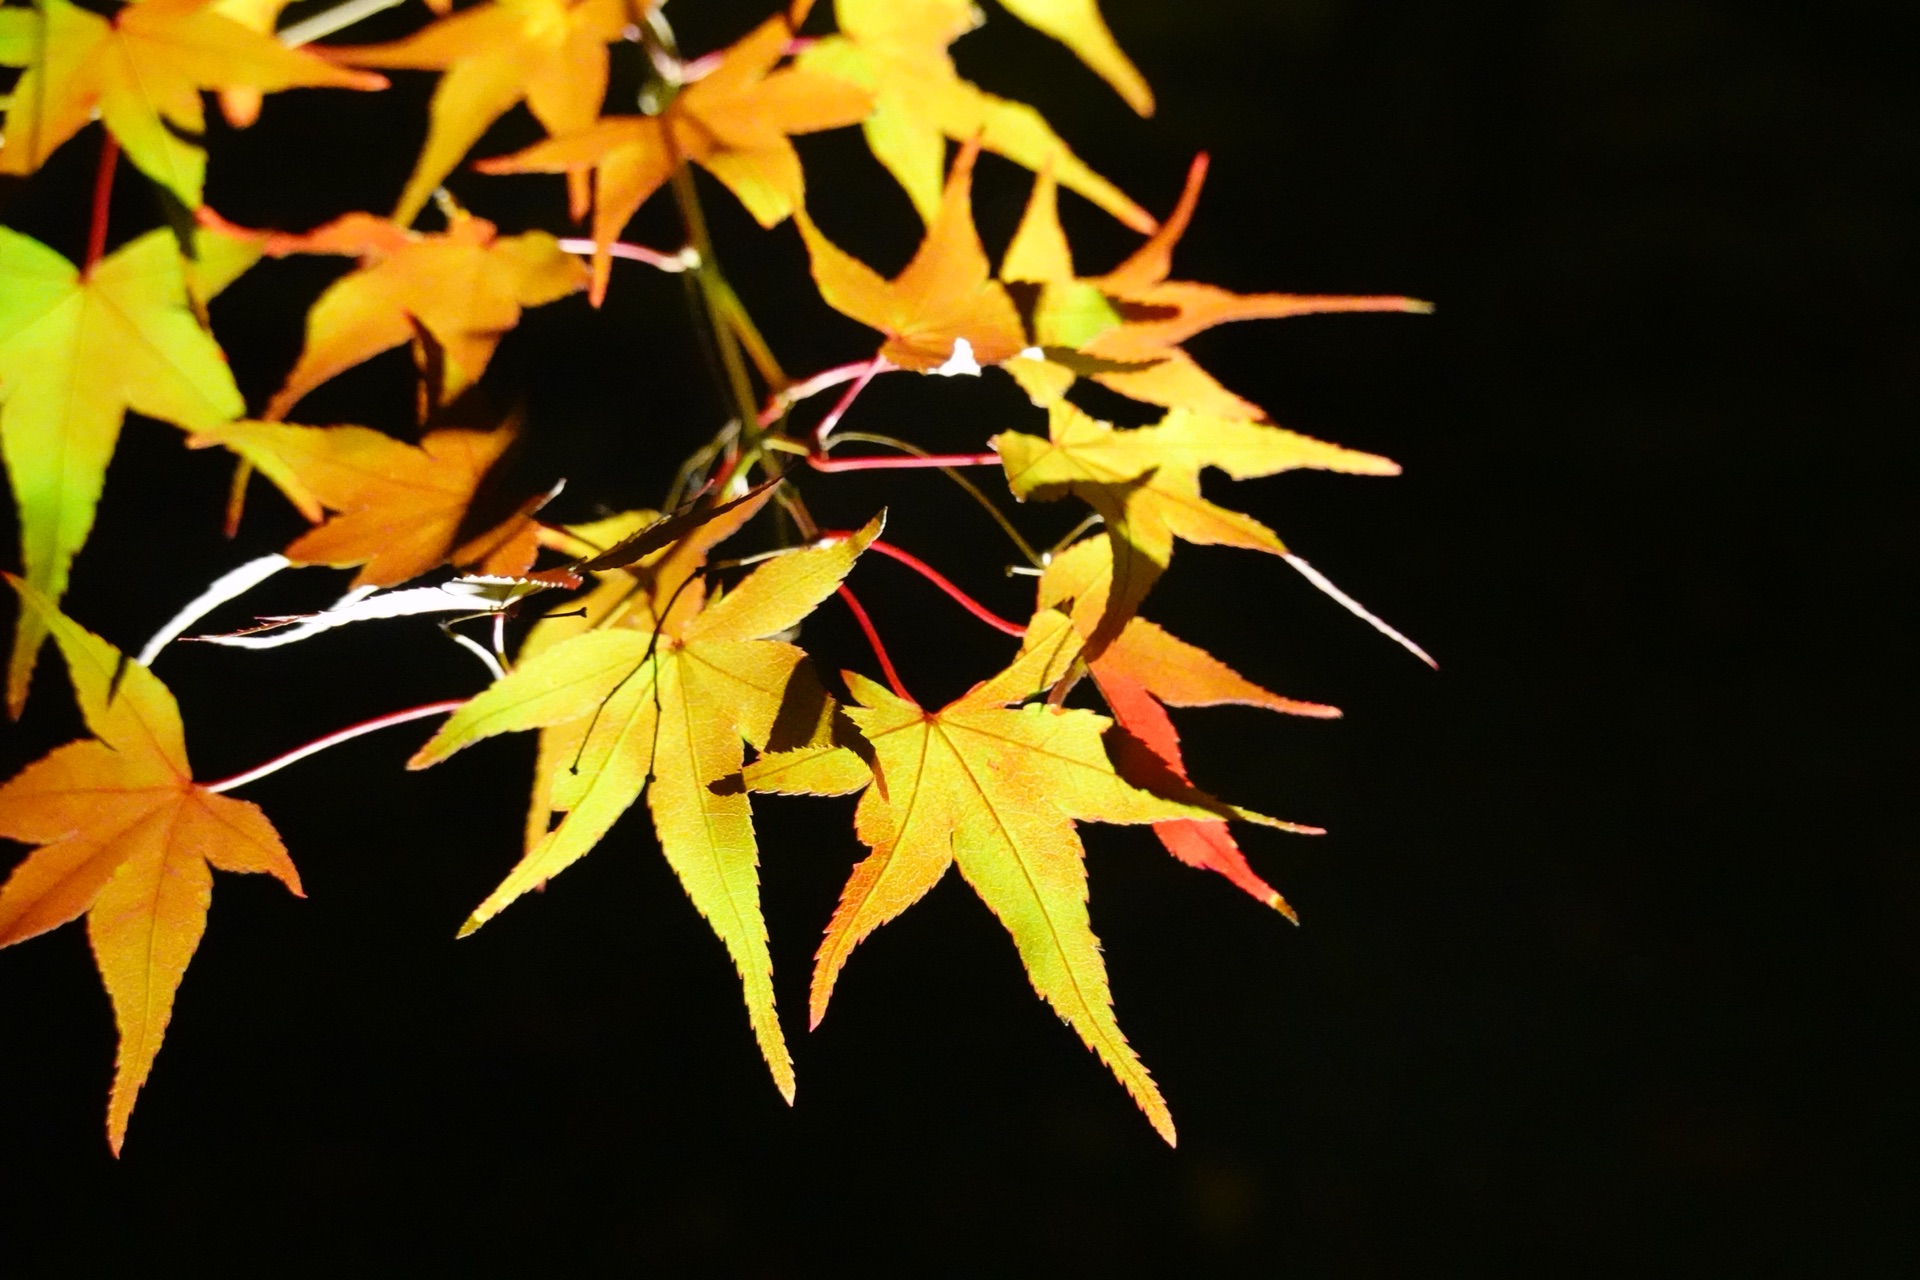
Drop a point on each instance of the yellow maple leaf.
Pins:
(897, 49)
(997, 791)
(142, 71)
(658, 697)
(550, 53)
(1145, 484)
(128, 839)
(734, 122)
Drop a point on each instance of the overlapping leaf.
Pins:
(897, 49)
(1145, 484)
(1141, 673)
(76, 352)
(734, 121)
(127, 839)
(142, 72)
(944, 297)
(1123, 329)
(400, 509)
(659, 698)
(997, 791)
(464, 287)
(551, 54)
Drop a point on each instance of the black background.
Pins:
(1608, 960)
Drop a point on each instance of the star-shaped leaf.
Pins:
(142, 72)
(465, 287)
(552, 54)
(660, 699)
(401, 509)
(943, 297)
(997, 791)
(897, 49)
(76, 352)
(1125, 327)
(734, 121)
(127, 839)
(1145, 484)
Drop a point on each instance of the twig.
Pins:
(347, 734)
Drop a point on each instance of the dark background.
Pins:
(1607, 963)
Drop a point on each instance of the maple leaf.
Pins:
(464, 287)
(662, 697)
(997, 791)
(550, 53)
(897, 49)
(942, 298)
(1125, 327)
(142, 72)
(1141, 673)
(1145, 484)
(76, 351)
(1078, 25)
(126, 838)
(734, 122)
(401, 508)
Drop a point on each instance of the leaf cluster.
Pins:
(669, 667)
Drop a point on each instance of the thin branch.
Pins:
(1358, 610)
(823, 434)
(972, 490)
(347, 734)
(941, 581)
(873, 638)
(921, 462)
(671, 262)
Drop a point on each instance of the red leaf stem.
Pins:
(877, 365)
(631, 252)
(102, 202)
(334, 739)
(873, 638)
(941, 581)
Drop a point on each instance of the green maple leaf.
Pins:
(77, 350)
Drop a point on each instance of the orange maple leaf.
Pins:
(401, 509)
(944, 297)
(734, 121)
(1123, 329)
(126, 838)
(464, 287)
(551, 53)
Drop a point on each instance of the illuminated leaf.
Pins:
(400, 509)
(551, 54)
(942, 298)
(76, 352)
(897, 49)
(127, 839)
(735, 121)
(1129, 323)
(1078, 25)
(142, 71)
(663, 699)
